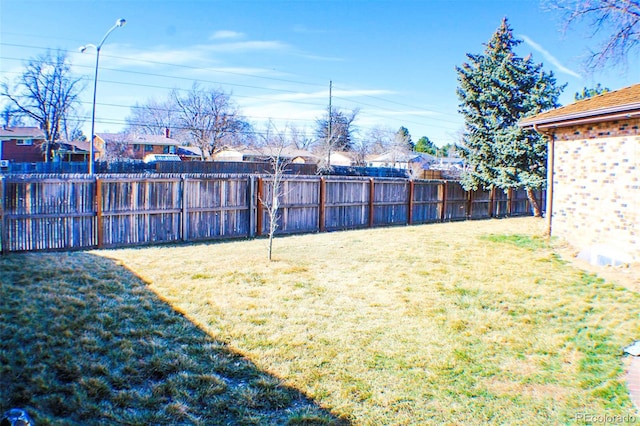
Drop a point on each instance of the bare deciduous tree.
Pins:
(152, 118)
(396, 145)
(300, 139)
(241, 134)
(208, 116)
(617, 20)
(380, 139)
(335, 132)
(72, 129)
(402, 147)
(415, 171)
(46, 93)
(116, 148)
(361, 148)
(155, 117)
(11, 117)
(275, 144)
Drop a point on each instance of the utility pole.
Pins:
(329, 137)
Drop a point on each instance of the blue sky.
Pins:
(394, 60)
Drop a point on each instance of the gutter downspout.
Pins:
(550, 164)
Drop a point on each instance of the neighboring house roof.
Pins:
(618, 104)
(398, 157)
(346, 155)
(450, 160)
(189, 151)
(244, 154)
(229, 154)
(21, 133)
(77, 145)
(448, 163)
(286, 152)
(340, 158)
(138, 139)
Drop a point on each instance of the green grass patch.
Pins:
(531, 242)
(459, 323)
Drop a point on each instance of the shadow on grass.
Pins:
(84, 341)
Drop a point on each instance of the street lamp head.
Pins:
(84, 48)
(120, 22)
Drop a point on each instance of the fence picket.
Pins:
(80, 212)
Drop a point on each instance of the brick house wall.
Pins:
(138, 151)
(133, 147)
(13, 151)
(596, 189)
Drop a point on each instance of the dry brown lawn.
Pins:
(458, 323)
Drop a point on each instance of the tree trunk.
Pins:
(47, 150)
(534, 203)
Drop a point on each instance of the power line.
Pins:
(315, 104)
(147, 61)
(217, 82)
(172, 77)
(213, 70)
(247, 86)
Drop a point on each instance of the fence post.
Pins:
(470, 203)
(509, 201)
(259, 207)
(411, 192)
(3, 212)
(251, 202)
(492, 200)
(372, 195)
(321, 209)
(444, 201)
(185, 213)
(99, 214)
(147, 217)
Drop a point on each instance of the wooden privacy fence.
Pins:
(81, 212)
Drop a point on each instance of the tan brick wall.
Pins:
(596, 200)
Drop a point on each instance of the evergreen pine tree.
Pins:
(589, 93)
(496, 89)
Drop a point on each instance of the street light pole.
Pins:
(93, 117)
(119, 23)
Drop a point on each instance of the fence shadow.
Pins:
(85, 341)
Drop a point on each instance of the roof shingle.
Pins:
(617, 101)
(21, 132)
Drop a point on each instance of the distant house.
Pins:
(449, 167)
(21, 144)
(230, 154)
(189, 153)
(341, 158)
(448, 163)
(401, 160)
(291, 154)
(161, 158)
(76, 151)
(593, 192)
(122, 145)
